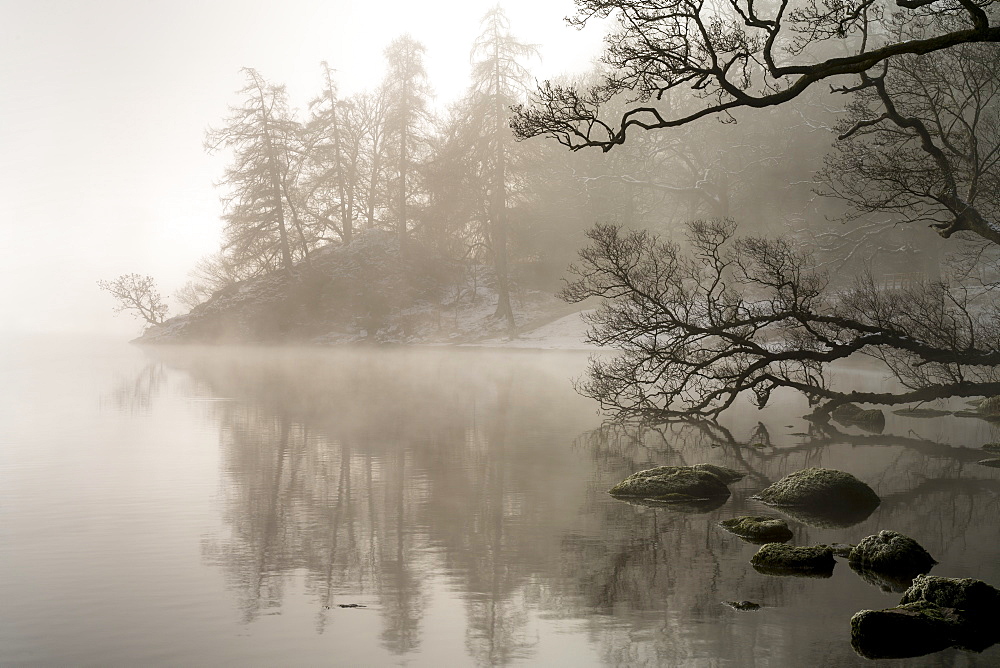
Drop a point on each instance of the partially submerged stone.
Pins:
(995, 463)
(742, 606)
(934, 613)
(911, 629)
(758, 529)
(966, 595)
(871, 419)
(921, 412)
(677, 483)
(992, 447)
(822, 497)
(893, 553)
(726, 475)
(779, 559)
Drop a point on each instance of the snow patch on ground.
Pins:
(565, 333)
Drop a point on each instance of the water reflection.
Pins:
(415, 482)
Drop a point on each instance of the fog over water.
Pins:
(182, 506)
(416, 284)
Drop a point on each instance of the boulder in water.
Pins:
(911, 629)
(758, 529)
(893, 553)
(778, 559)
(822, 497)
(677, 483)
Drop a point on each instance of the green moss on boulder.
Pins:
(818, 486)
(677, 483)
(992, 447)
(758, 529)
(893, 553)
(966, 595)
(778, 559)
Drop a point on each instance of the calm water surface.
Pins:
(215, 506)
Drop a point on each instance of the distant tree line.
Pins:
(458, 190)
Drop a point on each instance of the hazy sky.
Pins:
(104, 106)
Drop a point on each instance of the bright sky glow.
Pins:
(105, 103)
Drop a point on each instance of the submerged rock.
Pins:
(678, 483)
(995, 463)
(742, 606)
(778, 559)
(676, 504)
(758, 529)
(871, 419)
(892, 553)
(822, 497)
(911, 629)
(921, 412)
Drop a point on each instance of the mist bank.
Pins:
(370, 292)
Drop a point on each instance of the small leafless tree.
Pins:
(698, 328)
(138, 295)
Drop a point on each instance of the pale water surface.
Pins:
(217, 506)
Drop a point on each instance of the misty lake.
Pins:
(221, 506)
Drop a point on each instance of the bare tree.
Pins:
(921, 141)
(735, 54)
(752, 314)
(138, 295)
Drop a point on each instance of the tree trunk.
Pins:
(499, 203)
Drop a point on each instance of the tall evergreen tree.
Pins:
(260, 212)
(498, 81)
(407, 94)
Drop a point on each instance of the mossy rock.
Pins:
(779, 559)
(992, 447)
(726, 475)
(892, 553)
(673, 483)
(994, 463)
(758, 529)
(966, 595)
(911, 629)
(815, 486)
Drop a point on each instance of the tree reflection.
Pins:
(384, 478)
